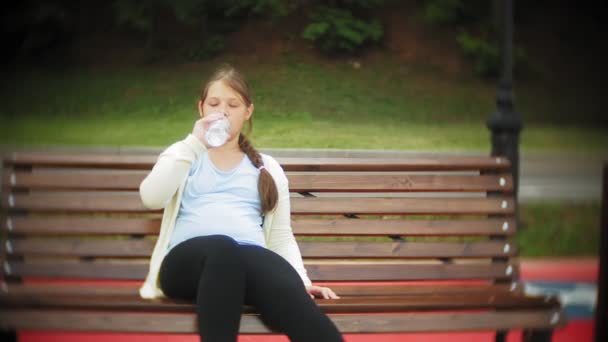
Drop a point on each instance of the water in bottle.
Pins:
(218, 132)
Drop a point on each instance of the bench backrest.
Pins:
(76, 215)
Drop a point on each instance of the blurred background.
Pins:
(329, 78)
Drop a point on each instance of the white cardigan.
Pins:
(163, 188)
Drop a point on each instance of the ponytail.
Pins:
(269, 195)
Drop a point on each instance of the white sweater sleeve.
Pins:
(282, 240)
(169, 171)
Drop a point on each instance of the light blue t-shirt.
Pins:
(220, 202)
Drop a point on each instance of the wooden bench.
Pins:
(411, 245)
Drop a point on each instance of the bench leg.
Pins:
(544, 335)
(501, 335)
(8, 336)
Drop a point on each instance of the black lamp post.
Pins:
(505, 123)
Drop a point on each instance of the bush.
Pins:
(443, 11)
(267, 8)
(485, 56)
(206, 48)
(450, 12)
(337, 30)
(210, 20)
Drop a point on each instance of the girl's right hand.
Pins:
(202, 125)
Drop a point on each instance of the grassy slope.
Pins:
(384, 105)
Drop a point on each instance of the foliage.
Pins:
(354, 4)
(210, 19)
(485, 55)
(337, 30)
(443, 11)
(450, 12)
(135, 14)
(269, 8)
(207, 48)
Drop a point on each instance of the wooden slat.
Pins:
(141, 161)
(82, 247)
(80, 225)
(400, 183)
(75, 179)
(317, 271)
(56, 158)
(301, 226)
(350, 290)
(130, 202)
(309, 249)
(82, 320)
(379, 272)
(374, 304)
(375, 227)
(402, 249)
(402, 206)
(289, 164)
(130, 180)
(371, 289)
(98, 201)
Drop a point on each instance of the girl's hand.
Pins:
(202, 125)
(322, 292)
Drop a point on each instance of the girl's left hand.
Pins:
(322, 292)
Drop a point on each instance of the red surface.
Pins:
(579, 331)
(580, 270)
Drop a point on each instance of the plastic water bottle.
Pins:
(218, 132)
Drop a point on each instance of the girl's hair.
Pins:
(267, 188)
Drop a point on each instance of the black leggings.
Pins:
(221, 276)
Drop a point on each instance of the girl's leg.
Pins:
(276, 290)
(208, 269)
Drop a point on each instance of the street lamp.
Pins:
(505, 123)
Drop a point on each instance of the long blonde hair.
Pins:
(267, 188)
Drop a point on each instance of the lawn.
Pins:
(298, 105)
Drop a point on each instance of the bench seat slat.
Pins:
(155, 322)
(130, 180)
(130, 202)
(309, 249)
(350, 290)
(145, 162)
(317, 270)
(345, 304)
(301, 226)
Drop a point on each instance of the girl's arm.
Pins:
(281, 238)
(169, 171)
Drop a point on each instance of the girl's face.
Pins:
(222, 98)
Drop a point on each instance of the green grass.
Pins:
(559, 229)
(298, 105)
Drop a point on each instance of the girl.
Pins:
(225, 238)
